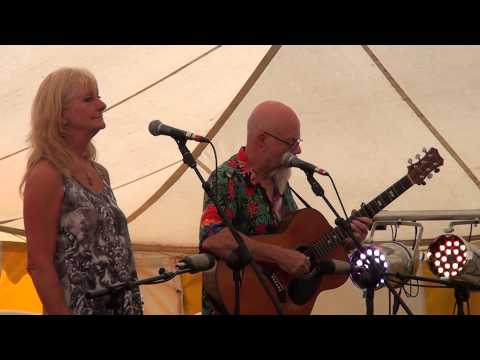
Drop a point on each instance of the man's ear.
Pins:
(260, 140)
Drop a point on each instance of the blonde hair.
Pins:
(47, 136)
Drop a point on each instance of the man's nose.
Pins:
(296, 150)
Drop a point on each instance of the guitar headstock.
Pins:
(419, 171)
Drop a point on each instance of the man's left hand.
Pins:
(360, 227)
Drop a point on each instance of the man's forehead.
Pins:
(289, 128)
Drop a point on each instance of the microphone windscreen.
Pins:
(153, 127)
(200, 262)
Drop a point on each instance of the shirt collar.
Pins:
(244, 167)
(247, 172)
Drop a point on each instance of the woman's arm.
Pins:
(41, 211)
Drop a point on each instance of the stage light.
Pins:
(457, 258)
(370, 266)
(389, 257)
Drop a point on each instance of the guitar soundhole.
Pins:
(301, 289)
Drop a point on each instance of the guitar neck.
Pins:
(385, 198)
(329, 241)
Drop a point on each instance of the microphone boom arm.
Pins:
(127, 285)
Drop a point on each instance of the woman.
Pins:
(77, 237)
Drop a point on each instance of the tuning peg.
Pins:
(424, 183)
(437, 170)
(424, 150)
(410, 161)
(417, 156)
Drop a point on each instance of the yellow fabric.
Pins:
(192, 293)
(442, 301)
(17, 292)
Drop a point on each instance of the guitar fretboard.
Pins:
(329, 241)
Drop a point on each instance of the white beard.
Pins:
(281, 177)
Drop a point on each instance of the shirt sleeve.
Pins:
(211, 222)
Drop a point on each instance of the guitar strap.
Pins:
(301, 199)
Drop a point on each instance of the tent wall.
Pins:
(359, 122)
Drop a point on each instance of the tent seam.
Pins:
(421, 116)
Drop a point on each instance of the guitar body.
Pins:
(296, 295)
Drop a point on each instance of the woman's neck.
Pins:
(78, 146)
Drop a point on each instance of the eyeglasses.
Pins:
(291, 145)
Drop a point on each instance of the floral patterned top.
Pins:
(245, 203)
(94, 250)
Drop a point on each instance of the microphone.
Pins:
(298, 288)
(196, 263)
(156, 128)
(290, 160)
(325, 267)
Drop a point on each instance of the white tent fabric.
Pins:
(192, 97)
(355, 124)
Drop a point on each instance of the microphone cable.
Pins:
(216, 169)
(338, 195)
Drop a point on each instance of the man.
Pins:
(253, 191)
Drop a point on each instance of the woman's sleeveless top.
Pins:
(94, 251)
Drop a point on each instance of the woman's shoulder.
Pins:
(44, 177)
(44, 169)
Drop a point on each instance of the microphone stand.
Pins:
(343, 224)
(369, 294)
(115, 290)
(241, 256)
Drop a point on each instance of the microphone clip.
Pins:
(186, 154)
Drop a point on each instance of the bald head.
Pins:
(271, 116)
(273, 129)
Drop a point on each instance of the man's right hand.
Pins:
(293, 262)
